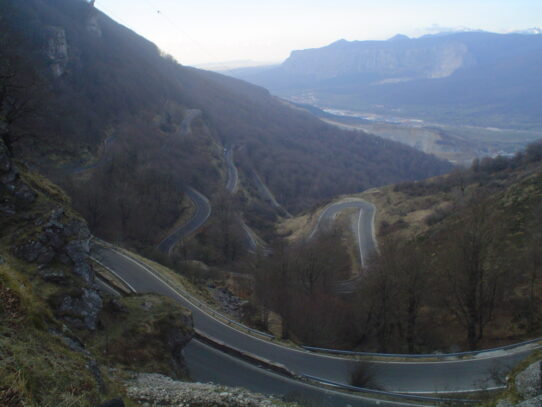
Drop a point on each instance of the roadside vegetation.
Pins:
(465, 275)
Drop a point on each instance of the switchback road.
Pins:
(399, 376)
(231, 185)
(203, 211)
(233, 176)
(363, 229)
(202, 204)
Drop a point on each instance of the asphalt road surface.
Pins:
(408, 377)
(363, 229)
(233, 176)
(203, 211)
(365, 225)
(105, 156)
(207, 364)
(231, 185)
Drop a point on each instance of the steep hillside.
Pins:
(458, 263)
(61, 333)
(474, 77)
(107, 104)
(66, 338)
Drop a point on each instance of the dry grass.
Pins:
(297, 227)
(37, 369)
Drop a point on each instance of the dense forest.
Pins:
(97, 89)
(470, 280)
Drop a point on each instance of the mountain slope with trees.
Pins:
(459, 266)
(103, 91)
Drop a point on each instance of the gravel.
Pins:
(150, 389)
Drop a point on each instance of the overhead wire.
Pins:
(177, 28)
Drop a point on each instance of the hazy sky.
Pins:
(203, 31)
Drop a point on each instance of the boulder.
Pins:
(84, 271)
(504, 403)
(77, 251)
(51, 237)
(534, 402)
(79, 308)
(77, 230)
(529, 381)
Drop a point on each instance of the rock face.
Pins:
(408, 61)
(159, 390)
(152, 329)
(93, 26)
(57, 50)
(54, 240)
(534, 402)
(80, 308)
(59, 237)
(528, 385)
(529, 382)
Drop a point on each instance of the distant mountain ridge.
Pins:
(106, 83)
(399, 57)
(472, 77)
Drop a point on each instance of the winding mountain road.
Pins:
(203, 211)
(446, 376)
(267, 195)
(405, 376)
(106, 147)
(363, 229)
(202, 204)
(231, 371)
(364, 232)
(251, 239)
(233, 175)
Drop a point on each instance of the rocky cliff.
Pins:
(480, 78)
(410, 60)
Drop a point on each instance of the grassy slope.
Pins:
(37, 367)
(429, 210)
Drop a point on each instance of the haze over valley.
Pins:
(444, 84)
(358, 225)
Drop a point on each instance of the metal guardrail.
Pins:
(420, 355)
(387, 393)
(198, 302)
(220, 316)
(216, 314)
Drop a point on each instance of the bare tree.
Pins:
(20, 87)
(412, 285)
(473, 276)
(533, 259)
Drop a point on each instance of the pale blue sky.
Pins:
(203, 31)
